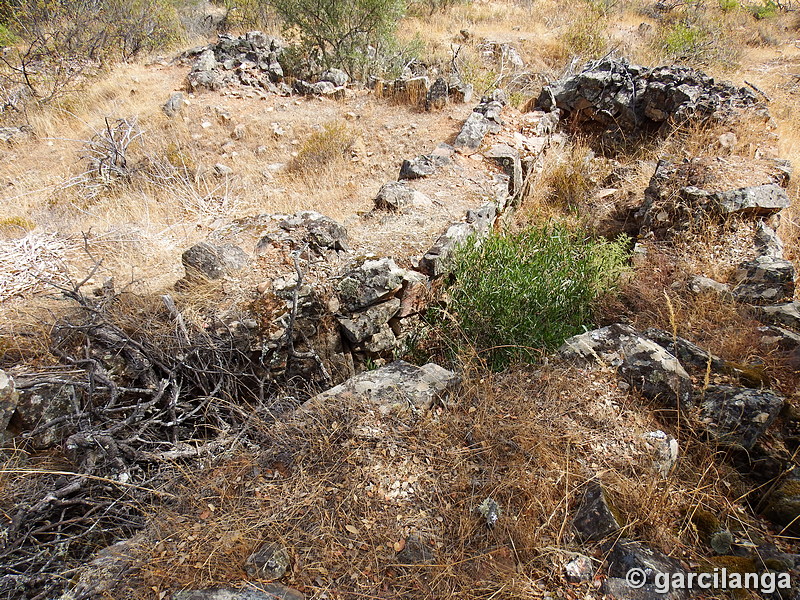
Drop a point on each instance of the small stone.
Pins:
(579, 569)
(174, 105)
(594, 518)
(239, 132)
(222, 170)
(269, 562)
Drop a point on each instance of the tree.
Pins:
(345, 34)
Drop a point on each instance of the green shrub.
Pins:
(728, 5)
(766, 10)
(519, 293)
(348, 35)
(683, 41)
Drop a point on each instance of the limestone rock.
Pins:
(473, 131)
(767, 241)
(781, 337)
(690, 355)
(270, 561)
(425, 164)
(765, 280)
(647, 366)
(320, 232)
(335, 76)
(213, 262)
(737, 416)
(699, 284)
(509, 160)
(99, 577)
(787, 314)
(397, 385)
(761, 200)
(595, 518)
(396, 196)
(439, 259)
(362, 325)
(174, 105)
(371, 282)
(41, 404)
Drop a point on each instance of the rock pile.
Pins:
(611, 93)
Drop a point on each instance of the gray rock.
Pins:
(398, 385)
(690, 355)
(765, 280)
(321, 232)
(767, 241)
(205, 62)
(761, 200)
(664, 450)
(439, 259)
(380, 342)
(595, 518)
(222, 170)
(459, 91)
(737, 416)
(780, 337)
(618, 588)
(699, 284)
(9, 397)
(335, 76)
(40, 404)
(579, 569)
(213, 262)
(12, 135)
(252, 591)
(174, 105)
(615, 94)
(415, 294)
(396, 196)
(489, 509)
(787, 314)
(426, 164)
(101, 576)
(624, 555)
(438, 94)
(371, 282)
(472, 132)
(268, 562)
(359, 326)
(509, 160)
(647, 366)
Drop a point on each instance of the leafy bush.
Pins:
(323, 148)
(347, 35)
(683, 41)
(728, 5)
(766, 10)
(517, 293)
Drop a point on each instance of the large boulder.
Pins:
(647, 366)
(613, 93)
(473, 131)
(735, 416)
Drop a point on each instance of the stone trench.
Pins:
(327, 306)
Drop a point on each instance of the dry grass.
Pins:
(344, 489)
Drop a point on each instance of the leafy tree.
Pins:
(344, 34)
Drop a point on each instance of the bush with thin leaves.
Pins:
(516, 294)
(348, 35)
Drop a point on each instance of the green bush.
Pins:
(728, 5)
(683, 41)
(323, 148)
(766, 10)
(519, 293)
(348, 35)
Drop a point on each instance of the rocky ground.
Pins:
(248, 432)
